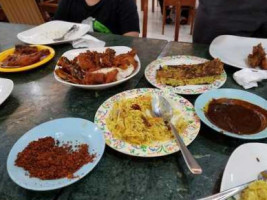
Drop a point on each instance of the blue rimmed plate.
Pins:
(203, 99)
(74, 130)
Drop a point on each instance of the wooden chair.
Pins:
(178, 4)
(191, 4)
(144, 8)
(2, 16)
(49, 6)
(22, 11)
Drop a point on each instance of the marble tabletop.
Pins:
(38, 98)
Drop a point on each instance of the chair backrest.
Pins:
(49, 6)
(189, 3)
(22, 11)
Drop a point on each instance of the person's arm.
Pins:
(128, 18)
(132, 34)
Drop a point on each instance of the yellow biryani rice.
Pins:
(131, 120)
(255, 191)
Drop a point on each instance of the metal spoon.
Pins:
(162, 108)
(235, 190)
(71, 29)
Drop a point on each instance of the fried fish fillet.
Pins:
(194, 74)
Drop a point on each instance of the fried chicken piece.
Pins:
(25, 49)
(25, 59)
(258, 57)
(111, 76)
(70, 68)
(94, 78)
(100, 78)
(107, 58)
(124, 60)
(88, 61)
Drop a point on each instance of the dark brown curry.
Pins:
(236, 116)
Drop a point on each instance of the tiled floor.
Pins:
(155, 25)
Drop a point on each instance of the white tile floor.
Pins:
(155, 25)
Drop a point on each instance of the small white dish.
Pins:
(74, 130)
(234, 50)
(45, 33)
(244, 165)
(119, 50)
(6, 87)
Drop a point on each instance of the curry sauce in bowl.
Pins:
(235, 113)
(236, 116)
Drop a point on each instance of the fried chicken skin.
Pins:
(24, 55)
(258, 57)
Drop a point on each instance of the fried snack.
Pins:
(92, 67)
(195, 74)
(258, 57)
(24, 55)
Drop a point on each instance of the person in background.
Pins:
(110, 16)
(232, 17)
(183, 18)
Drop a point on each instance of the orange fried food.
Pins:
(93, 67)
(111, 76)
(24, 55)
(100, 78)
(258, 57)
(124, 60)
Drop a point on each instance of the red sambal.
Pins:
(46, 160)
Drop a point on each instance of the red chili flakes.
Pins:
(46, 160)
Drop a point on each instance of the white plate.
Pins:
(234, 50)
(119, 50)
(66, 129)
(45, 33)
(151, 71)
(6, 87)
(243, 165)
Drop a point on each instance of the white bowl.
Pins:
(119, 50)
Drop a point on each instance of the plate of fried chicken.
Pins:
(240, 52)
(97, 68)
(25, 57)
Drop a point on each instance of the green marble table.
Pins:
(37, 98)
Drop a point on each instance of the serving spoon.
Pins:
(233, 191)
(162, 108)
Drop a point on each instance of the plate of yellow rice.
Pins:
(130, 127)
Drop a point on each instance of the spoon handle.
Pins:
(189, 159)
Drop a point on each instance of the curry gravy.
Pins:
(236, 116)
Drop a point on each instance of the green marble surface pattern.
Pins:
(38, 97)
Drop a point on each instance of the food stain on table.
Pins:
(236, 116)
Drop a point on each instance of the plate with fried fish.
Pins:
(97, 68)
(25, 57)
(186, 74)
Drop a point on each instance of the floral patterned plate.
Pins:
(151, 69)
(158, 148)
